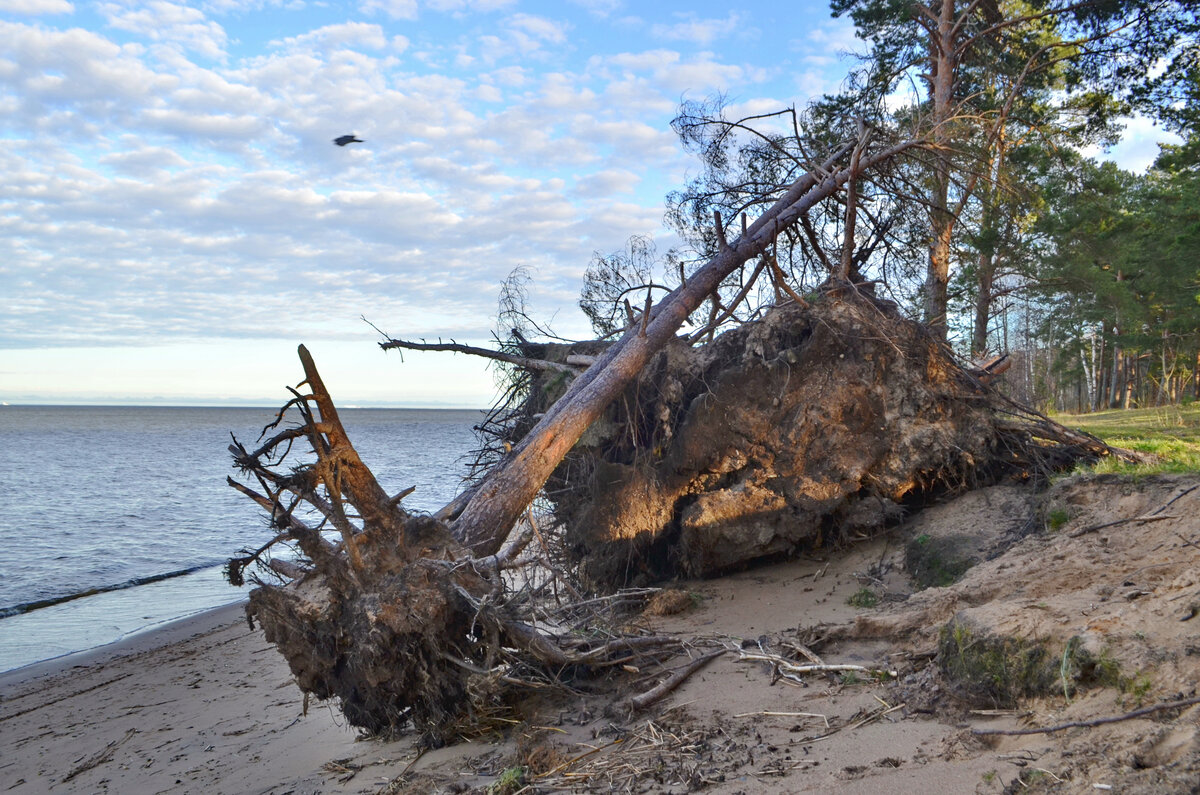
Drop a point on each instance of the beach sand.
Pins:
(208, 706)
(203, 705)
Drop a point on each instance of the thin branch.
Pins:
(1086, 724)
(487, 353)
(678, 677)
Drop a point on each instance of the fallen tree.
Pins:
(409, 618)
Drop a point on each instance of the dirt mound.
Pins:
(815, 423)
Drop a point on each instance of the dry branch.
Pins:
(100, 758)
(524, 362)
(784, 664)
(1086, 724)
(678, 677)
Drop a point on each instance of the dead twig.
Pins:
(767, 714)
(874, 716)
(791, 667)
(1134, 520)
(100, 758)
(643, 700)
(1085, 724)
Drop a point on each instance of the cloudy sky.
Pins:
(175, 218)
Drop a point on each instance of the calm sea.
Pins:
(120, 516)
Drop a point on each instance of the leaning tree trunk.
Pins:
(496, 505)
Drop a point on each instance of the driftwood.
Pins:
(663, 688)
(783, 664)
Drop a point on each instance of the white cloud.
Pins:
(699, 31)
(394, 9)
(599, 8)
(539, 27)
(143, 162)
(1138, 147)
(347, 34)
(488, 93)
(35, 7)
(161, 21)
(829, 37)
(182, 123)
(607, 183)
(469, 5)
(70, 81)
(152, 191)
(671, 73)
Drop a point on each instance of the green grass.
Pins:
(1171, 433)
(863, 597)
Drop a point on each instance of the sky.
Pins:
(175, 219)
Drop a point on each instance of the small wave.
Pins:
(27, 607)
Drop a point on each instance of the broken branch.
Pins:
(1086, 724)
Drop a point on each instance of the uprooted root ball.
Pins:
(812, 423)
(377, 638)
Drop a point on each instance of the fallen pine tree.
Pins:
(832, 413)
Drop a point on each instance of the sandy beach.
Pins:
(208, 706)
(204, 705)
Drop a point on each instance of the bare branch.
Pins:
(487, 353)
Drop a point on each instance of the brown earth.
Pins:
(1080, 605)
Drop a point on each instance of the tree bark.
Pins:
(942, 68)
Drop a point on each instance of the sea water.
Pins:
(116, 519)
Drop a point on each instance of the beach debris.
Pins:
(658, 692)
(1084, 724)
(99, 758)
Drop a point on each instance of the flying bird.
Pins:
(342, 140)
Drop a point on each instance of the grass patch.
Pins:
(508, 782)
(1172, 433)
(1056, 518)
(938, 562)
(863, 597)
(1138, 686)
(998, 671)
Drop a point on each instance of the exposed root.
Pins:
(394, 618)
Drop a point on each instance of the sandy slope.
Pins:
(214, 710)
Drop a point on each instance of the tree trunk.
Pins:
(942, 66)
(500, 499)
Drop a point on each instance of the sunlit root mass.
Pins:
(816, 424)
